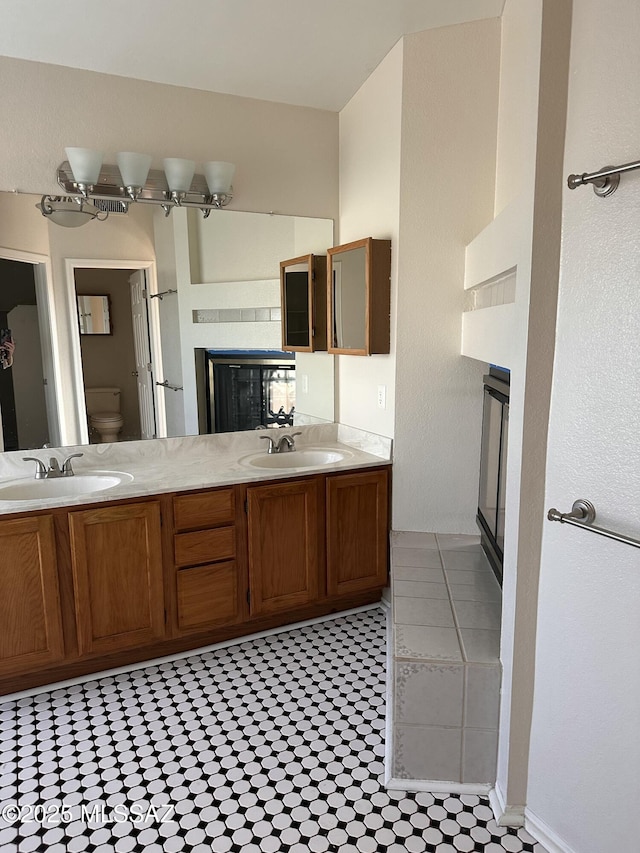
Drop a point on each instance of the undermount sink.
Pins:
(30, 489)
(312, 457)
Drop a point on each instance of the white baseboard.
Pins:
(505, 815)
(435, 786)
(143, 664)
(543, 833)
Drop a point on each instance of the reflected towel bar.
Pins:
(583, 514)
(167, 384)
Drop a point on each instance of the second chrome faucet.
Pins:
(286, 444)
(54, 470)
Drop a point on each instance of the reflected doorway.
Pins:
(117, 372)
(24, 420)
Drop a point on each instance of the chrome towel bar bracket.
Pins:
(583, 514)
(605, 181)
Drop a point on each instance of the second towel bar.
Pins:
(583, 514)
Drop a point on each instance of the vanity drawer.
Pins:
(207, 596)
(207, 509)
(204, 546)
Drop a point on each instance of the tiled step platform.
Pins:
(445, 671)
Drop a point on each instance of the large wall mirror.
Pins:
(212, 287)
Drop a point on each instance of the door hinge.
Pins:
(246, 505)
(145, 293)
(249, 597)
(149, 366)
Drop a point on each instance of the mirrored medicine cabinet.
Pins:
(359, 297)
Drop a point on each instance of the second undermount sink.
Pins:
(30, 489)
(309, 457)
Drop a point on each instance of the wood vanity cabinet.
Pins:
(91, 588)
(205, 569)
(357, 523)
(303, 284)
(283, 546)
(359, 297)
(116, 558)
(30, 617)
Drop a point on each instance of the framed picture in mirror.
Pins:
(94, 314)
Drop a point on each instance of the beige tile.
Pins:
(479, 756)
(416, 641)
(477, 614)
(465, 560)
(482, 696)
(427, 752)
(424, 557)
(483, 587)
(457, 542)
(457, 576)
(480, 646)
(417, 573)
(420, 589)
(429, 694)
(432, 612)
(411, 539)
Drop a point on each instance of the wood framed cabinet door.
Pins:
(30, 618)
(117, 574)
(283, 546)
(357, 532)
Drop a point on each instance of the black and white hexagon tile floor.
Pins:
(270, 745)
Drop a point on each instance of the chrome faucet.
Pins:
(285, 445)
(54, 470)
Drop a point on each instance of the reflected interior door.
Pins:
(144, 368)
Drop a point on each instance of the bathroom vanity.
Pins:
(88, 586)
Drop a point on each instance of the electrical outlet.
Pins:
(305, 383)
(382, 396)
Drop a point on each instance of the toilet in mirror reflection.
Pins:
(103, 409)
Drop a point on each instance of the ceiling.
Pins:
(314, 53)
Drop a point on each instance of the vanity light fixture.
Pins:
(85, 176)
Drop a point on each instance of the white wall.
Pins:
(585, 748)
(370, 127)
(448, 153)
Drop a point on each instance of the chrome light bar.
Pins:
(155, 191)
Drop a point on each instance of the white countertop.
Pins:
(194, 462)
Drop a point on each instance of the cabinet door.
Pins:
(30, 621)
(117, 573)
(357, 532)
(358, 297)
(303, 284)
(283, 546)
(207, 596)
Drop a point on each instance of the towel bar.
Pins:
(167, 384)
(583, 514)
